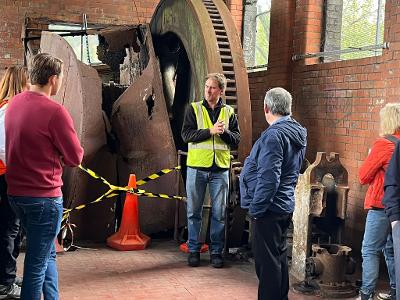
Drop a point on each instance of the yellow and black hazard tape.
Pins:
(156, 175)
(114, 190)
(109, 194)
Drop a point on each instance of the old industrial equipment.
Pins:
(319, 261)
(128, 110)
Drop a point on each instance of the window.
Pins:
(362, 25)
(87, 43)
(262, 31)
(256, 33)
(353, 29)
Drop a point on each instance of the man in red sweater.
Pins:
(40, 138)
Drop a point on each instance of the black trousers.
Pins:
(10, 237)
(269, 246)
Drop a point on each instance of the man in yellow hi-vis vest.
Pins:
(210, 128)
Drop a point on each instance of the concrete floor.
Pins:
(159, 272)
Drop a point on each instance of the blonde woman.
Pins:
(377, 233)
(14, 82)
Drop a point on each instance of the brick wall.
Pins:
(279, 64)
(13, 12)
(308, 27)
(236, 8)
(338, 102)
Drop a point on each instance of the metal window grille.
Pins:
(262, 32)
(362, 25)
(256, 33)
(352, 29)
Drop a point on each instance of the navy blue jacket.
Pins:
(270, 172)
(391, 198)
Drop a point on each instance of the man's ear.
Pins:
(266, 109)
(53, 79)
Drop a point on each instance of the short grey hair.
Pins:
(279, 101)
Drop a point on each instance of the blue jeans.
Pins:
(41, 219)
(196, 183)
(396, 246)
(377, 238)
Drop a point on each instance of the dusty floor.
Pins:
(159, 272)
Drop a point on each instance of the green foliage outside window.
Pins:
(262, 34)
(359, 26)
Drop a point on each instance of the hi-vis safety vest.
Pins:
(202, 154)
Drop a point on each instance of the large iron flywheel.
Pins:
(206, 32)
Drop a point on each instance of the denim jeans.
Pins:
(377, 238)
(41, 219)
(196, 183)
(10, 237)
(396, 246)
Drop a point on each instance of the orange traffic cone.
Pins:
(129, 236)
(59, 248)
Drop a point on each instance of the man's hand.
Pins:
(394, 223)
(218, 128)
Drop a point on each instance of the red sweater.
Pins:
(372, 171)
(40, 136)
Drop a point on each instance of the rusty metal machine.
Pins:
(319, 261)
(128, 110)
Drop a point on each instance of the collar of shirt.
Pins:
(281, 119)
(219, 103)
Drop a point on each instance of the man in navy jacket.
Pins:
(267, 184)
(391, 201)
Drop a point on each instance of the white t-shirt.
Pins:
(2, 133)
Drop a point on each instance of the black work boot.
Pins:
(217, 261)
(194, 259)
(365, 296)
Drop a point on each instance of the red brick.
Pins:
(371, 82)
(159, 272)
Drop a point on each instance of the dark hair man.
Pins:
(211, 129)
(267, 184)
(40, 138)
